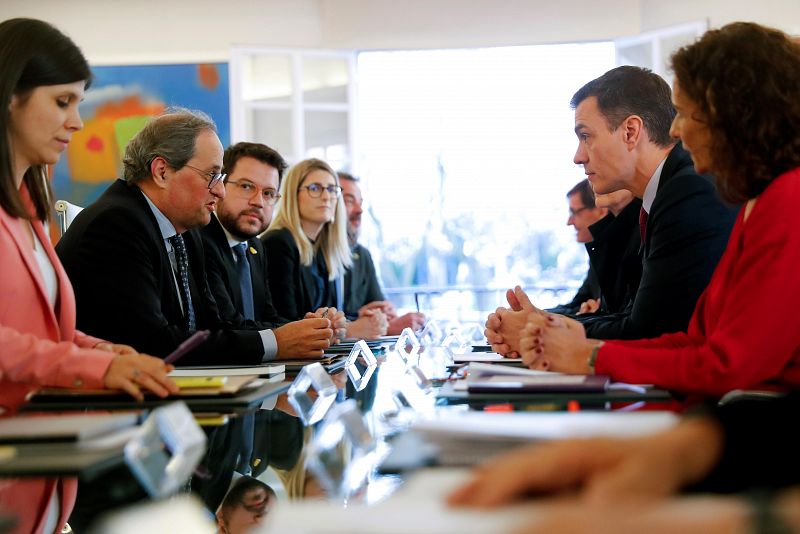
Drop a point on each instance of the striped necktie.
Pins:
(182, 261)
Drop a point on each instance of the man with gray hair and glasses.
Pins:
(136, 260)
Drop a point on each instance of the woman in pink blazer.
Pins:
(43, 76)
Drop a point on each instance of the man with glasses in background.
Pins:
(582, 214)
(136, 259)
(363, 294)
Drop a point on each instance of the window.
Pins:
(297, 102)
(466, 158)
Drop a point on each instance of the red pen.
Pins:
(190, 343)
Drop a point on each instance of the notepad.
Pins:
(484, 357)
(540, 383)
(478, 369)
(466, 438)
(229, 370)
(192, 382)
(232, 386)
(61, 428)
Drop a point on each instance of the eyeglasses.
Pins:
(247, 189)
(213, 177)
(315, 190)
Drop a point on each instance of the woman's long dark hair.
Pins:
(32, 54)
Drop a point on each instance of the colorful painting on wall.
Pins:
(118, 104)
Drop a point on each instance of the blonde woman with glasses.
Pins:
(306, 243)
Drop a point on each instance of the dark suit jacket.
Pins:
(291, 283)
(116, 259)
(590, 289)
(223, 278)
(360, 283)
(277, 442)
(687, 231)
(614, 256)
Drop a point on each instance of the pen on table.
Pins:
(416, 301)
(190, 343)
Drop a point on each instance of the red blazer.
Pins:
(745, 330)
(38, 346)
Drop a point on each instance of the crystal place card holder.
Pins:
(454, 343)
(407, 344)
(339, 454)
(166, 450)
(431, 335)
(360, 364)
(312, 393)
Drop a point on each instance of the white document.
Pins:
(471, 438)
(418, 507)
(480, 372)
(230, 370)
(478, 368)
(483, 357)
(544, 426)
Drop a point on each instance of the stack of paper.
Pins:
(485, 357)
(466, 438)
(418, 507)
(266, 369)
(62, 428)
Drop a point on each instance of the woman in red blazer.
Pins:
(737, 96)
(43, 76)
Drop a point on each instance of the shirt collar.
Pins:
(232, 241)
(166, 227)
(652, 187)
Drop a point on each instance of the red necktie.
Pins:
(642, 223)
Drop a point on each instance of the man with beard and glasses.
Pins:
(235, 260)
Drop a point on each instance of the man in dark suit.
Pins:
(136, 260)
(614, 250)
(254, 172)
(582, 214)
(622, 121)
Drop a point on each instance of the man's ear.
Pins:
(632, 131)
(158, 170)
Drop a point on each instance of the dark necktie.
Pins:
(245, 281)
(244, 465)
(182, 261)
(642, 224)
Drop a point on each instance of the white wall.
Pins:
(782, 14)
(387, 24)
(111, 31)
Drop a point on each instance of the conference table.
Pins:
(365, 449)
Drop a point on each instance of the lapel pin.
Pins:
(253, 250)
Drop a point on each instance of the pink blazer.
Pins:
(38, 347)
